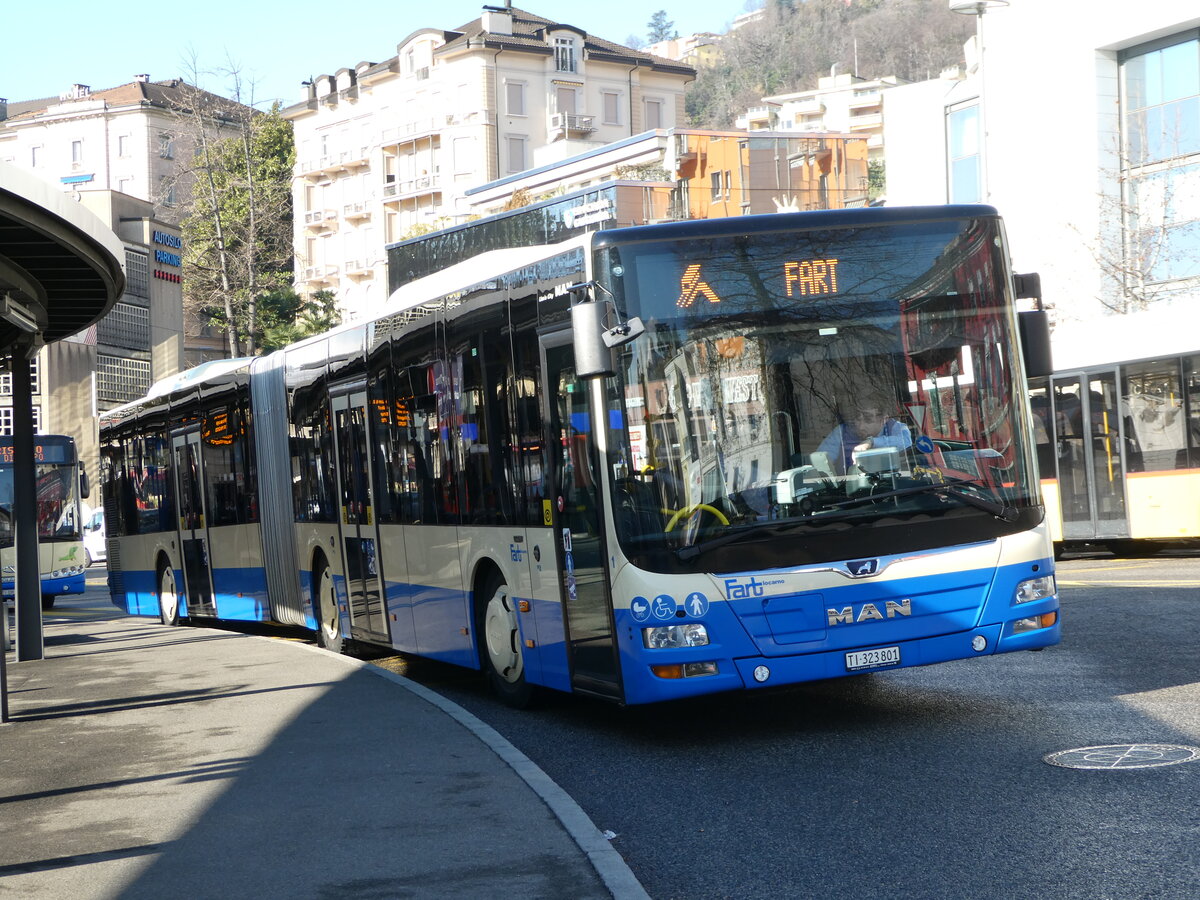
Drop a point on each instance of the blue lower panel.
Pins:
(241, 594)
(642, 686)
(140, 596)
(72, 584)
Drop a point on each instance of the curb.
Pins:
(608, 863)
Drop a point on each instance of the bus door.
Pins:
(193, 523)
(1091, 464)
(362, 566)
(573, 490)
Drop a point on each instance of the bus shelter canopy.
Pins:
(61, 267)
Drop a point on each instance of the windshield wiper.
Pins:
(954, 489)
(820, 517)
(774, 529)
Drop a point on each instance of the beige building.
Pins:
(385, 151)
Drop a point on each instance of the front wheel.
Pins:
(503, 660)
(168, 596)
(48, 601)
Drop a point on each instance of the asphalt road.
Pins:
(913, 783)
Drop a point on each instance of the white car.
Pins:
(95, 547)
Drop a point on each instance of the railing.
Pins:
(318, 217)
(357, 210)
(320, 273)
(423, 184)
(570, 123)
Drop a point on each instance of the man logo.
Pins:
(861, 568)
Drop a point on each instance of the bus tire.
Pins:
(329, 626)
(48, 601)
(500, 651)
(168, 595)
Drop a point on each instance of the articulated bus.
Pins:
(61, 484)
(593, 466)
(1118, 434)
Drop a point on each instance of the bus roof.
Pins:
(474, 272)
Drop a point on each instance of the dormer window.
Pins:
(564, 54)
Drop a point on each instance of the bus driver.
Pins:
(867, 427)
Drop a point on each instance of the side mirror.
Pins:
(623, 334)
(1034, 326)
(85, 488)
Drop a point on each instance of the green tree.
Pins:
(237, 229)
(659, 29)
(285, 317)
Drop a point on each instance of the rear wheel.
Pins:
(503, 660)
(329, 626)
(168, 596)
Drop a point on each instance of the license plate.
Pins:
(870, 659)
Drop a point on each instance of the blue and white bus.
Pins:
(61, 485)
(595, 466)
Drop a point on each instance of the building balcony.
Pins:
(862, 99)
(320, 220)
(569, 125)
(811, 106)
(318, 275)
(410, 132)
(323, 168)
(349, 160)
(866, 122)
(356, 212)
(395, 191)
(360, 269)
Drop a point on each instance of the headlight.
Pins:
(1035, 589)
(668, 637)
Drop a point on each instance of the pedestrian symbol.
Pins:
(692, 285)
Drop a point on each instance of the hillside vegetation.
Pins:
(797, 41)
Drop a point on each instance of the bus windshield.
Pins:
(796, 391)
(57, 491)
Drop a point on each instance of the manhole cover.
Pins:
(1123, 756)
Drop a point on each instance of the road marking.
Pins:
(1120, 567)
(1141, 582)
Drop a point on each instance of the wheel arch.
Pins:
(484, 570)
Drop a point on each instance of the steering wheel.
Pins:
(689, 511)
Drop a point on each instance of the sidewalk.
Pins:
(145, 761)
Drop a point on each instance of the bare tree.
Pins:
(1145, 244)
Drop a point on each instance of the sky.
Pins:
(50, 46)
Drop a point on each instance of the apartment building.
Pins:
(842, 103)
(1099, 179)
(137, 139)
(389, 150)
